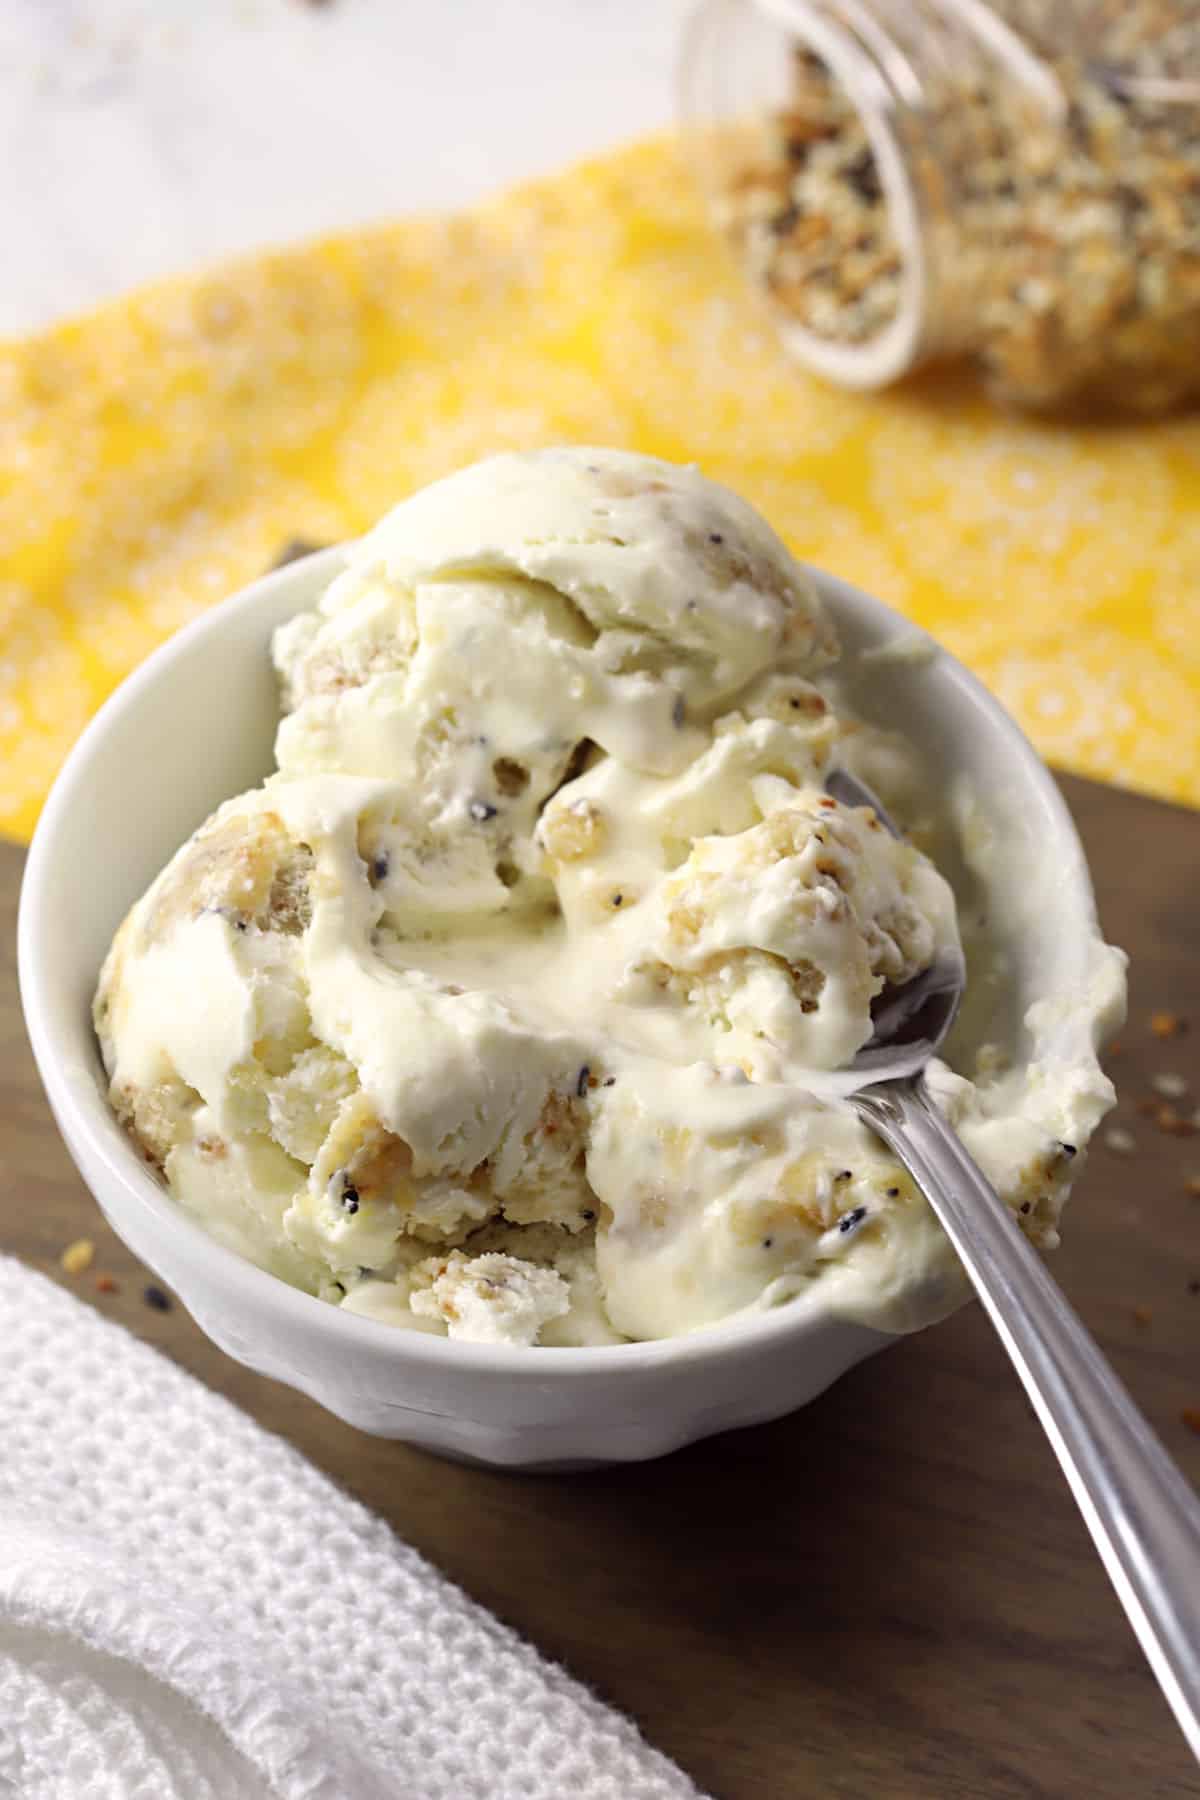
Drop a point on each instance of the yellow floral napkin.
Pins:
(162, 451)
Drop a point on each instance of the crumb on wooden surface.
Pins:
(77, 1256)
(1173, 1123)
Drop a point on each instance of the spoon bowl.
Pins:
(911, 1022)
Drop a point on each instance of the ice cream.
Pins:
(501, 1009)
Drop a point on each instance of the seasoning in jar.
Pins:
(956, 182)
(809, 215)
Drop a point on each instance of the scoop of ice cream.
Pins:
(736, 1193)
(284, 1077)
(637, 579)
(778, 938)
(499, 621)
(495, 1011)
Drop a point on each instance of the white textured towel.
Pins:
(187, 1608)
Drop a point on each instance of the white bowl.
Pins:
(194, 725)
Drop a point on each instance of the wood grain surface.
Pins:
(887, 1596)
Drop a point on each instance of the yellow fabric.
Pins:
(160, 452)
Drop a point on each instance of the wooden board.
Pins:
(887, 1595)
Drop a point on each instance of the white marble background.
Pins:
(141, 137)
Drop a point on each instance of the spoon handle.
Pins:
(1141, 1512)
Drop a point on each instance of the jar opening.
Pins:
(825, 216)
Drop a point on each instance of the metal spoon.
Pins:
(1142, 1514)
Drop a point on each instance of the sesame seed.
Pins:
(1120, 1141)
(156, 1298)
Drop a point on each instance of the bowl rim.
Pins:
(66, 1057)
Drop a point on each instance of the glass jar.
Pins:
(914, 180)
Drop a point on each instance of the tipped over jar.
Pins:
(911, 181)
